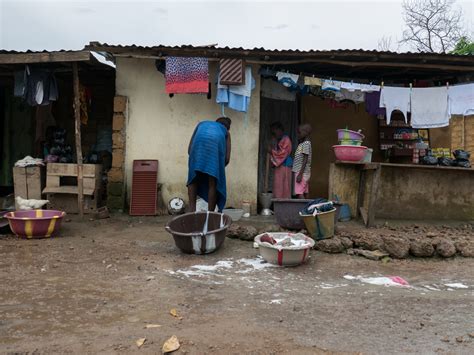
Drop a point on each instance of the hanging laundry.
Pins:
(187, 75)
(266, 72)
(369, 87)
(429, 107)
(350, 86)
(461, 99)
(286, 79)
(273, 90)
(356, 97)
(41, 87)
(85, 98)
(20, 80)
(395, 98)
(312, 81)
(372, 101)
(231, 71)
(236, 97)
(332, 85)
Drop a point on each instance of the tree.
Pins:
(432, 25)
(464, 46)
(385, 44)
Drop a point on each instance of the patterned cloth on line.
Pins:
(207, 156)
(187, 75)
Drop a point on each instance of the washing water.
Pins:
(204, 230)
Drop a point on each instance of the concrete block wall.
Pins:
(462, 133)
(116, 175)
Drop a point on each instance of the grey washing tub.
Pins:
(287, 212)
(187, 232)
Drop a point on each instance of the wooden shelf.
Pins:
(67, 190)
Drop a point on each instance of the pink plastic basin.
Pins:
(349, 152)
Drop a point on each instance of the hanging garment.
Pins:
(85, 97)
(331, 85)
(429, 107)
(41, 87)
(286, 79)
(266, 72)
(312, 81)
(273, 90)
(19, 89)
(369, 87)
(236, 97)
(461, 99)
(232, 72)
(187, 75)
(356, 97)
(395, 98)
(372, 101)
(350, 86)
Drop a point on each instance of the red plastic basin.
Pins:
(35, 223)
(349, 152)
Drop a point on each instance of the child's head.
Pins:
(277, 129)
(304, 131)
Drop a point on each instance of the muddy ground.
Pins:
(95, 288)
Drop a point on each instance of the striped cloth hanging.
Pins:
(232, 72)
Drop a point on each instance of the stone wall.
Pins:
(116, 176)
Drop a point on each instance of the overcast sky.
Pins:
(66, 24)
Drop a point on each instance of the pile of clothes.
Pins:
(319, 205)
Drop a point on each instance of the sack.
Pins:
(429, 160)
(443, 161)
(461, 154)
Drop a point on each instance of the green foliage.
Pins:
(464, 46)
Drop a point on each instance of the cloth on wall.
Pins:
(312, 81)
(372, 101)
(395, 98)
(331, 85)
(187, 75)
(85, 98)
(287, 79)
(236, 97)
(461, 99)
(232, 71)
(273, 90)
(429, 107)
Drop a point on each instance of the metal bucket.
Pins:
(320, 226)
(189, 235)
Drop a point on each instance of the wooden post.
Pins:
(77, 119)
(267, 173)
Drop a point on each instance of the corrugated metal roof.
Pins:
(275, 51)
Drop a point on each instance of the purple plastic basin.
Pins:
(348, 134)
(287, 212)
(35, 223)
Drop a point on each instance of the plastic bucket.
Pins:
(320, 226)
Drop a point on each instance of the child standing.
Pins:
(302, 162)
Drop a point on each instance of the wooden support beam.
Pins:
(373, 197)
(77, 121)
(44, 57)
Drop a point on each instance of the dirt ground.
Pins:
(95, 288)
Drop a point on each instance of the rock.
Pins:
(465, 248)
(431, 234)
(346, 242)
(369, 254)
(397, 247)
(421, 248)
(369, 242)
(247, 233)
(445, 249)
(332, 245)
(233, 231)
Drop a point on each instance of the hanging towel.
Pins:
(331, 85)
(394, 98)
(461, 99)
(372, 101)
(312, 81)
(429, 107)
(231, 71)
(369, 87)
(187, 75)
(356, 97)
(286, 79)
(350, 86)
(273, 90)
(236, 97)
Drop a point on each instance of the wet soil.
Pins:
(96, 287)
